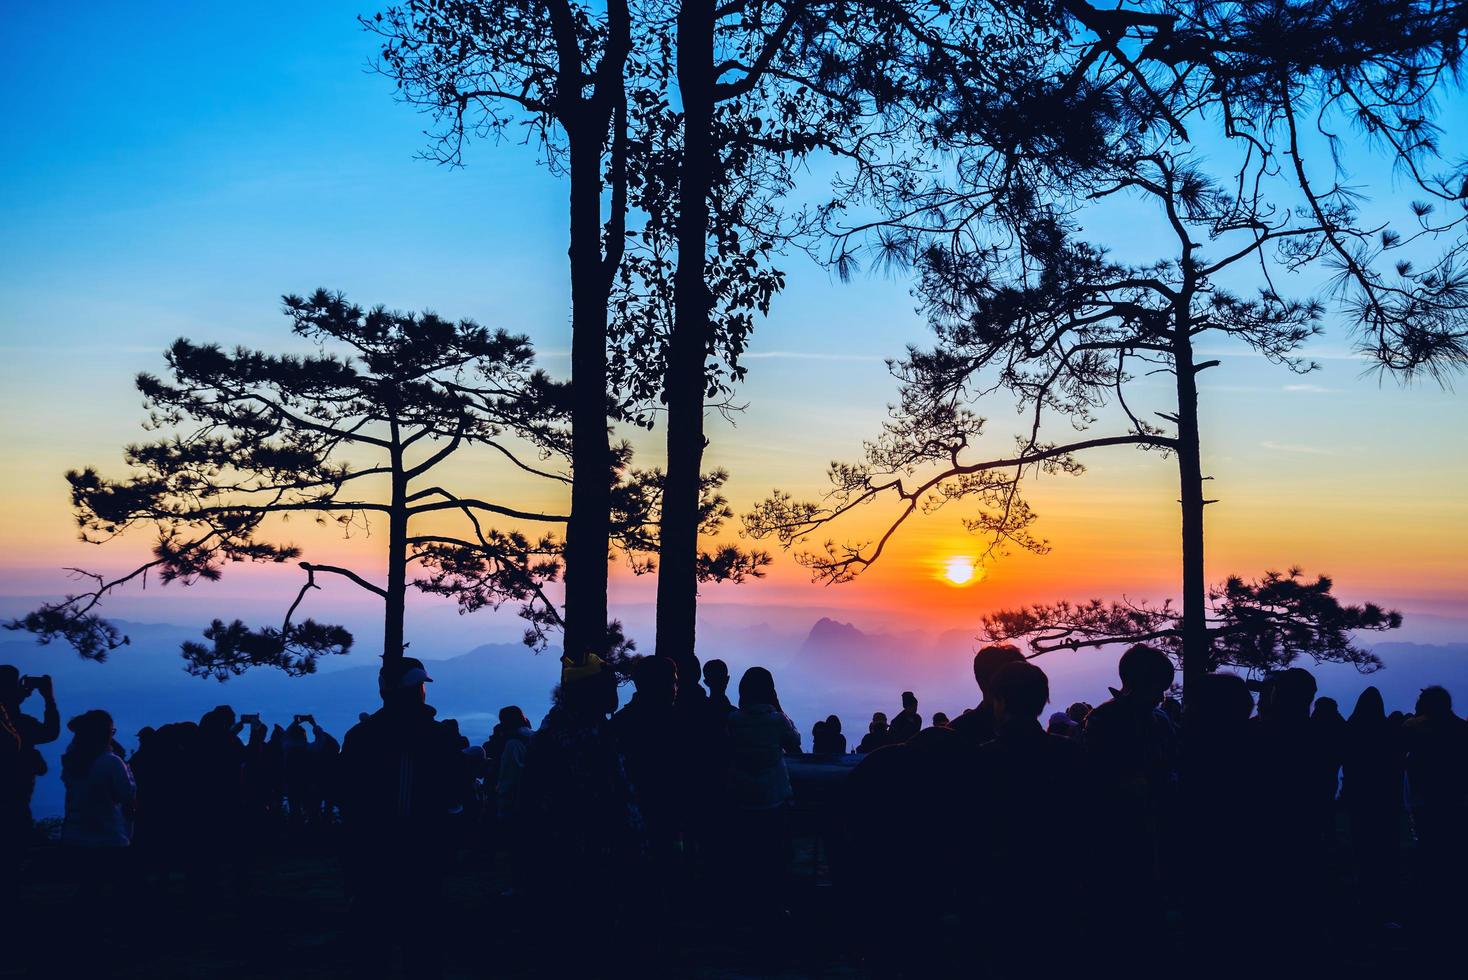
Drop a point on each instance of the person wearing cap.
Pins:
(399, 782)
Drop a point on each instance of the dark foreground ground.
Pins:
(286, 916)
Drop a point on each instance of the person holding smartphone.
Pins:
(20, 764)
(20, 733)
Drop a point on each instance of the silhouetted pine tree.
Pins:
(355, 434)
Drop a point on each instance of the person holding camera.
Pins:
(20, 763)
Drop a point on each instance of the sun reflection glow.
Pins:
(960, 570)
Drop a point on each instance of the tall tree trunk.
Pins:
(587, 533)
(397, 557)
(1190, 481)
(677, 605)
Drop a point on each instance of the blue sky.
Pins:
(171, 169)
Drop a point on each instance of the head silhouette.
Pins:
(1146, 673)
(990, 659)
(940, 719)
(1434, 702)
(716, 676)
(833, 724)
(909, 701)
(1292, 693)
(1221, 701)
(588, 697)
(656, 680)
(217, 720)
(1020, 691)
(92, 734)
(513, 718)
(1370, 707)
(401, 682)
(1326, 709)
(757, 686)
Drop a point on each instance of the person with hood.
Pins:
(399, 783)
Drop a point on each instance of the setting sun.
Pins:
(960, 570)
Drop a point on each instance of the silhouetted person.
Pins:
(583, 829)
(940, 720)
(908, 722)
(100, 793)
(1078, 712)
(877, 734)
(1130, 751)
(260, 778)
(827, 738)
(95, 837)
(1330, 732)
(399, 772)
(650, 737)
(1437, 790)
(99, 786)
(706, 815)
(1028, 834)
(1217, 780)
(20, 762)
(976, 725)
(904, 825)
(1295, 786)
(300, 776)
(515, 733)
(716, 679)
(1371, 792)
(760, 735)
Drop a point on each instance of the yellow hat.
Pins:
(572, 671)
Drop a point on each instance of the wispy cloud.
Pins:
(1293, 447)
(801, 355)
(1307, 389)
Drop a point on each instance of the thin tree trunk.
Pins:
(397, 557)
(1190, 481)
(677, 603)
(587, 533)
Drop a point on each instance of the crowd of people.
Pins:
(1255, 809)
